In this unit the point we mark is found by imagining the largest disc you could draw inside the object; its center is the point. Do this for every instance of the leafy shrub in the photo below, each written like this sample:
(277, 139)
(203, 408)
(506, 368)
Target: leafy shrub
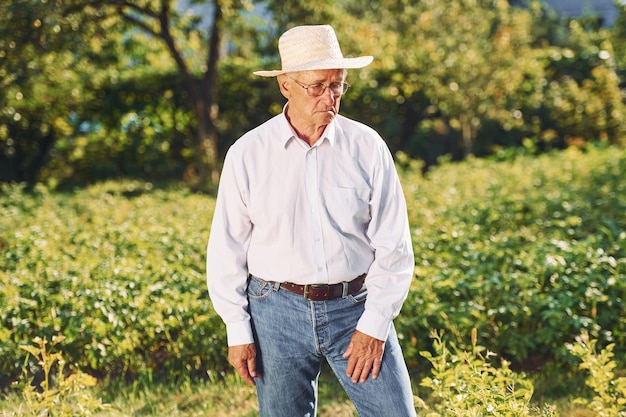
(460, 383)
(58, 394)
(530, 252)
(609, 398)
(466, 383)
(117, 269)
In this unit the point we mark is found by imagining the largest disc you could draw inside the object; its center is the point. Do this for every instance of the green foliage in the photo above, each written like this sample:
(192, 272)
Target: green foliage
(145, 135)
(461, 383)
(126, 89)
(584, 99)
(50, 65)
(237, 117)
(530, 252)
(494, 75)
(466, 383)
(618, 37)
(117, 270)
(59, 393)
(610, 392)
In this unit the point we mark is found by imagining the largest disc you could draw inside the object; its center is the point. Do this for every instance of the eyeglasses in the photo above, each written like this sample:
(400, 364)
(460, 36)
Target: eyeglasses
(316, 90)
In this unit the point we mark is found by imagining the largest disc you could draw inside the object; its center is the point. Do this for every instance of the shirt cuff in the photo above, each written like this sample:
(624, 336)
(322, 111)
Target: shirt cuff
(239, 333)
(374, 324)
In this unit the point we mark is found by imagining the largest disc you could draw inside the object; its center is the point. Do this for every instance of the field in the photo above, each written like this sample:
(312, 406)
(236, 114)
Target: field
(519, 256)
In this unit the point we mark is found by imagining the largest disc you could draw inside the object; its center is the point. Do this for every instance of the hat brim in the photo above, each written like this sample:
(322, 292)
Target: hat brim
(342, 63)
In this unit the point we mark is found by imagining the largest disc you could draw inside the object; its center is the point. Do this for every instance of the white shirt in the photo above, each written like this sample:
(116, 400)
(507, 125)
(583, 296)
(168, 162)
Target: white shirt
(324, 214)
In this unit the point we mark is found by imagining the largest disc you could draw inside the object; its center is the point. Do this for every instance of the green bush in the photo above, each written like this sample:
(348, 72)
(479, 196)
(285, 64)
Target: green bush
(117, 269)
(467, 383)
(530, 252)
(60, 393)
(460, 383)
(609, 391)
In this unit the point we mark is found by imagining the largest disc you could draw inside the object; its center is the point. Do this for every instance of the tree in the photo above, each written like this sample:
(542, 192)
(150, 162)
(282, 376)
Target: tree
(484, 69)
(618, 36)
(133, 84)
(193, 37)
(477, 55)
(44, 67)
(176, 28)
(158, 22)
(585, 100)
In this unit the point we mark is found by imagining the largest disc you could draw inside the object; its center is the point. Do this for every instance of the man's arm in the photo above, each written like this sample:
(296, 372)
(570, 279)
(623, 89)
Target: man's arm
(390, 274)
(226, 265)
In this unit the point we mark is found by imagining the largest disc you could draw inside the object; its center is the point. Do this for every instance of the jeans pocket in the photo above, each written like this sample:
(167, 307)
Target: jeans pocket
(259, 289)
(359, 297)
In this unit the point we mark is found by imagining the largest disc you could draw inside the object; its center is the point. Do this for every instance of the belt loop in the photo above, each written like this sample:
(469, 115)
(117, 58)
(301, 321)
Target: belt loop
(344, 291)
(305, 293)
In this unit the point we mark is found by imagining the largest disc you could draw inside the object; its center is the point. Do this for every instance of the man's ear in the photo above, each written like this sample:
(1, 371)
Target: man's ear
(283, 84)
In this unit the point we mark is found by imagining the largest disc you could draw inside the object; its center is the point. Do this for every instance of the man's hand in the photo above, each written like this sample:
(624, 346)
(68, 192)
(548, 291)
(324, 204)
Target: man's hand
(364, 354)
(243, 358)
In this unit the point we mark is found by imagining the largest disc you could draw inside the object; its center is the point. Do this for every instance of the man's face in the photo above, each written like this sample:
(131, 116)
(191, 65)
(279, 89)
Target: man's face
(305, 109)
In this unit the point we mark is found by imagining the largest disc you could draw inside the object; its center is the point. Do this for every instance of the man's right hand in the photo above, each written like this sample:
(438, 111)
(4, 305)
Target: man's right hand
(243, 358)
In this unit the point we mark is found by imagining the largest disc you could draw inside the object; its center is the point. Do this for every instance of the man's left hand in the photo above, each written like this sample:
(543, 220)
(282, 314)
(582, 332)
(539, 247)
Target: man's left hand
(365, 355)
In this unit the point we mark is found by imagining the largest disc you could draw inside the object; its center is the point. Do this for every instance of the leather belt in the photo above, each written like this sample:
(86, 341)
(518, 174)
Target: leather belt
(323, 292)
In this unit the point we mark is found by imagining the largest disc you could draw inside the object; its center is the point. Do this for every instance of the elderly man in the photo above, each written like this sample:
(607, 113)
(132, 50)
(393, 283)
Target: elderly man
(310, 256)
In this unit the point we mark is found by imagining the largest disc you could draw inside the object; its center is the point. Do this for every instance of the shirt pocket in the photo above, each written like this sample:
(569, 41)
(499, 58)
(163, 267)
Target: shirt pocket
(348, 208)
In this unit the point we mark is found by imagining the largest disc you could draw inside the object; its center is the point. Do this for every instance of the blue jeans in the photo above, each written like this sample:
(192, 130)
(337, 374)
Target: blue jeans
(293, 337)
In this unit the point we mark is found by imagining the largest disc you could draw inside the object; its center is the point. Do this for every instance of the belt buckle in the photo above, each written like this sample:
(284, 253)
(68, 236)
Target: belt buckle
(305, 292)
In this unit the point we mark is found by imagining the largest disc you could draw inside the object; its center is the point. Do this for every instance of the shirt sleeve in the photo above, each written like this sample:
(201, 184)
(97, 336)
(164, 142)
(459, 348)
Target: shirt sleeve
(226, 262)
(390, 274)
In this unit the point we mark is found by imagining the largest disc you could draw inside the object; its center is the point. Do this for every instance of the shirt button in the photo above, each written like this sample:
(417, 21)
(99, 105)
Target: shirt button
(317, 239)
(320, 269)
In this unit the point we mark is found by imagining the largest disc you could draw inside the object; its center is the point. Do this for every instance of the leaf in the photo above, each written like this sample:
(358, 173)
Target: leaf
(31, 349)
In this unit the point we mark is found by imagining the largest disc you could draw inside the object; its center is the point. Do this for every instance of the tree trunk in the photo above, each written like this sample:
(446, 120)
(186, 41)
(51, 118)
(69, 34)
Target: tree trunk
(203, 171)
(468, 135)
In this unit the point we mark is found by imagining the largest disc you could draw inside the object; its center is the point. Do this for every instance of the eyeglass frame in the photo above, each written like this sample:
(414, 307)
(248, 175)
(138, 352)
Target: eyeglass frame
(344, 88)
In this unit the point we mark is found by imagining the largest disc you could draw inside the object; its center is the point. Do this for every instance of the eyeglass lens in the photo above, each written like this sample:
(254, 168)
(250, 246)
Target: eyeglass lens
(319, 89)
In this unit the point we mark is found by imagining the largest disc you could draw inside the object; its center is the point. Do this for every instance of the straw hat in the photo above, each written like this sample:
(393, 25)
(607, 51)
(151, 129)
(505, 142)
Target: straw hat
(304, 48)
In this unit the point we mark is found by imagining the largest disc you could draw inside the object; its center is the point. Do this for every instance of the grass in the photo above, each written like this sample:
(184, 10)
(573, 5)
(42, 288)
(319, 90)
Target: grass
(229, 397)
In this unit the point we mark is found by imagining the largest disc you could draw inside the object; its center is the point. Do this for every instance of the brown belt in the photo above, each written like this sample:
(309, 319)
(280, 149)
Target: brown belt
(322, 292)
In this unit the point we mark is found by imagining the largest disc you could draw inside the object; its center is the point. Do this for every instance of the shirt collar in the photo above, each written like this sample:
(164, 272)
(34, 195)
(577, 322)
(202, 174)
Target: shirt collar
(287, 133)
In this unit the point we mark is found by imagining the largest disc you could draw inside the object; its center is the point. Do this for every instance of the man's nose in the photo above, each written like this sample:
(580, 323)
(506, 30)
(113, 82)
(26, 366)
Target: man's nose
(328, 93)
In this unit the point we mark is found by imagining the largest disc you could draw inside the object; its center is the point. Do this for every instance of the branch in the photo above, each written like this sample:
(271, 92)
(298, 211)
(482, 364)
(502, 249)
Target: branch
(138, 22)
(163, 18)
(214, 43)
(141, 10)
(166, 35)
